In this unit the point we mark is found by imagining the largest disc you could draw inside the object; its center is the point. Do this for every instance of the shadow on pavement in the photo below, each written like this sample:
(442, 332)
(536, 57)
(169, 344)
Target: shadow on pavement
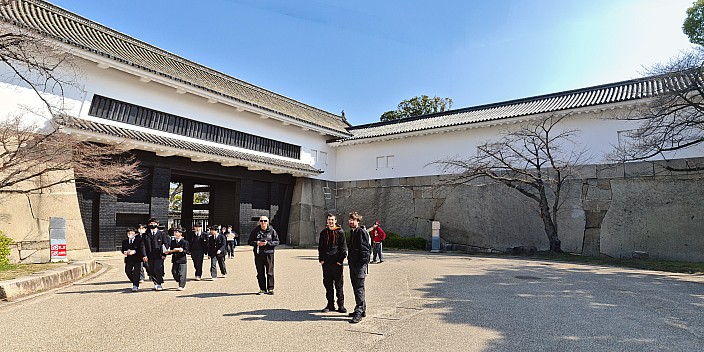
(114, 290)
(538, 307)
(286, 315)
(216, 295)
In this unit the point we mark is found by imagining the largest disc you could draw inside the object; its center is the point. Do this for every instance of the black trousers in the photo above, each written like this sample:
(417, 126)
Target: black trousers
(178, 270)
(133, 270)
(214, 261)
(231, 248)
(156, 270)
(357, 276)
(197, 258)
(332, 280)
(265, 271)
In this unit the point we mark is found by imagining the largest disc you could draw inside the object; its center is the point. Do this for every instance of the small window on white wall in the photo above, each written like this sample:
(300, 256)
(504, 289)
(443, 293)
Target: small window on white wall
(385, 162)
(314, 155)
(322, 158)
(625, 138)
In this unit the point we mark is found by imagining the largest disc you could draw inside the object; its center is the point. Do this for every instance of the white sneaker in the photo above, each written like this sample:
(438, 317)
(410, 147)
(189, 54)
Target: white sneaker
(156, 287)
(159, 288)
(224, 276)
(198, 278)
(181, 288)
(135, 288)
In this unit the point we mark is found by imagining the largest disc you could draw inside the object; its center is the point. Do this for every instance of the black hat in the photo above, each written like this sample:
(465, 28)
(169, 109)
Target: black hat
(198, 224)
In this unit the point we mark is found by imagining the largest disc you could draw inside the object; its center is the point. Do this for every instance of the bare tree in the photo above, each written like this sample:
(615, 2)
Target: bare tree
(536, 160)
(674, 118)
(32, 152)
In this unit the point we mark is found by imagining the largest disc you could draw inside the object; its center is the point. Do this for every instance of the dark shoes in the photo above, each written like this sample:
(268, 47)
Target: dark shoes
(270, 293)
(351, 315)
(329, 309)
(357, 318)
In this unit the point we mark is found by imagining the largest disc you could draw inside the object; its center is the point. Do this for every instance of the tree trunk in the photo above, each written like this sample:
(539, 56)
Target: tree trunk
(549, 222)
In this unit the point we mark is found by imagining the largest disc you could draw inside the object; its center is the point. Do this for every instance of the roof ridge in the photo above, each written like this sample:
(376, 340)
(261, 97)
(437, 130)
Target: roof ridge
(522, 100)
(105, 30)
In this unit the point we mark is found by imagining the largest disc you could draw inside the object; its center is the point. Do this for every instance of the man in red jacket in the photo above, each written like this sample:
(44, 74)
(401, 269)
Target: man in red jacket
(378, 236)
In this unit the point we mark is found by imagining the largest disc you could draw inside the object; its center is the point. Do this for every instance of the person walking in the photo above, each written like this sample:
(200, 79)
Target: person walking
(378, 236)
(198, 242)
(229, 236)
(264, 239)
(217, 249)
(179, 250)
(133, 250)
(358, 261)
(332, 251)
(156, 243)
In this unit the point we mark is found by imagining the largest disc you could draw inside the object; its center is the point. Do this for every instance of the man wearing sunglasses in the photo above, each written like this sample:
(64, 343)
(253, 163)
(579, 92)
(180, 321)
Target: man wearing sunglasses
(264, 238)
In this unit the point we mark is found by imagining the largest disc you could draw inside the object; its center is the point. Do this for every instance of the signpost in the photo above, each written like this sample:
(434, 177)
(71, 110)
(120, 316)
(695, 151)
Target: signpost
(57, 239)
(435, 237)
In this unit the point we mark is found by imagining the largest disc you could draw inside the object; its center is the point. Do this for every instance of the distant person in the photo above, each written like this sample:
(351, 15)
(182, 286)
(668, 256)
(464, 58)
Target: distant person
(156, 243)
(179, 251)
(332, 251)
(133, 250)
(358, 261)
(235, 236)
(198, 243)
(227, 231)
(378, 236)
(264, 238)
(217, 250)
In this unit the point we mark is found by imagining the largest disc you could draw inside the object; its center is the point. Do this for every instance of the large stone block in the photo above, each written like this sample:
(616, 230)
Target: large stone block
(663, 218)
(591, 242)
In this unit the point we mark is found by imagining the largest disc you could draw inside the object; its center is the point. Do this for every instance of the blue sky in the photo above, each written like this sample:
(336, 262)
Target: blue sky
(366, 56)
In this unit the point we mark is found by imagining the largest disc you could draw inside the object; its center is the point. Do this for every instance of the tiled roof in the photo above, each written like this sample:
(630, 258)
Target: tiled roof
(80, 32)
(619, 92)
(133, 135)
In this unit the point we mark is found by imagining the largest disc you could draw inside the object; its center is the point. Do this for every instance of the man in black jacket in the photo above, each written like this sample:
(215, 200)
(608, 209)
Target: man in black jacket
(358, 260)
(332, 250)
(198, 243)
(264, 238)
(178, 251)
(217, 249)
(156, 242)
(133, 249)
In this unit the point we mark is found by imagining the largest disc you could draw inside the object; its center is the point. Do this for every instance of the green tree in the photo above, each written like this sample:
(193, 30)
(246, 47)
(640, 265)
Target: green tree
(417, 106)
(693, 25)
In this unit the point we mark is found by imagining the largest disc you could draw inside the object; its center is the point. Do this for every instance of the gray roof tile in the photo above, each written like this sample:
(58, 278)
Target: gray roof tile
(80, 32)
(631, 90)
(121, 132)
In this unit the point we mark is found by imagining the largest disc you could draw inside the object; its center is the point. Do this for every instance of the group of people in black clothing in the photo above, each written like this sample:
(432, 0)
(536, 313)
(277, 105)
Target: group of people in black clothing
(147, 246)
(151, 247)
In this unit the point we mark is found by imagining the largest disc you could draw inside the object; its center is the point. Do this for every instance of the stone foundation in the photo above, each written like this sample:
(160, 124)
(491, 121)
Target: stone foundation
(610, 210)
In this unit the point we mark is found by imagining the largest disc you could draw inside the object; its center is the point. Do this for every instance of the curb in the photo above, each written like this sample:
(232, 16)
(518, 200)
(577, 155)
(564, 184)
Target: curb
(45, 280)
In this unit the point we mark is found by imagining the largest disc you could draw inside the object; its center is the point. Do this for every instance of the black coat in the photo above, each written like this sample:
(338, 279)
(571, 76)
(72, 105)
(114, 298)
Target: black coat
(153, 243)
(179, 257)
(198, 242)
(138, 246)
(359, 249)
(217, 243)
(269, 235)
(332, 246)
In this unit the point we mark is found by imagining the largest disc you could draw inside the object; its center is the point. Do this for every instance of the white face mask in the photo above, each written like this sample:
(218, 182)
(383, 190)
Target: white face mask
(142, 230)
(130, 236)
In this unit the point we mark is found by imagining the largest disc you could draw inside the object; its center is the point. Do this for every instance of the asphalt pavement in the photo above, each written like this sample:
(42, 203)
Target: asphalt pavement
(416, 301)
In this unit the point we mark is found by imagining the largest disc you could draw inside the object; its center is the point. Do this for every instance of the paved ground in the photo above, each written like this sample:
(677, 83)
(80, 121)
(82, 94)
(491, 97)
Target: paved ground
(416, 302)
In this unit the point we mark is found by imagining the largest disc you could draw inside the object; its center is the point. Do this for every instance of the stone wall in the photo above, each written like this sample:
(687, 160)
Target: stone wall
(25, 219)
(611, 210)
